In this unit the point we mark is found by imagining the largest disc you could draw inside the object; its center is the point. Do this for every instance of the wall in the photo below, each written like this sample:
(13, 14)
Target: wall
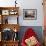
(32, 4)
(27, 4)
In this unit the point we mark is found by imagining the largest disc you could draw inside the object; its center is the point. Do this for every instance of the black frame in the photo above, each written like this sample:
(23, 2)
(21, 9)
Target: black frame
(29, 17)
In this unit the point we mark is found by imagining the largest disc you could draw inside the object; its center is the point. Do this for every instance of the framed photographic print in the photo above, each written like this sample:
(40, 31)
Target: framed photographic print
(30, 14)
(12, 12)
(5, 12)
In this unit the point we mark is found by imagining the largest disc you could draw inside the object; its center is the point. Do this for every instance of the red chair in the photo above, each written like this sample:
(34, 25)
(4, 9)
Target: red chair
(29, 33)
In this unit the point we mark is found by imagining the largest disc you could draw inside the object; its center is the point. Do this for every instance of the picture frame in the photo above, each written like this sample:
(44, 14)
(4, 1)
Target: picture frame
(13, 12)
(5, 12)
(29, 14)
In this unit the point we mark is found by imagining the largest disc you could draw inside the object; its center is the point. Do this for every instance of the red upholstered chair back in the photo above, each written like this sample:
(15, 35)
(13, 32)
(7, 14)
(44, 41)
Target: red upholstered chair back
(29, 33)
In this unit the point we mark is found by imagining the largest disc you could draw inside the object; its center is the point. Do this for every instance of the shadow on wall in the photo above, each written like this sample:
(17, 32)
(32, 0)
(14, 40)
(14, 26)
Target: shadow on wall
(37, 29)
